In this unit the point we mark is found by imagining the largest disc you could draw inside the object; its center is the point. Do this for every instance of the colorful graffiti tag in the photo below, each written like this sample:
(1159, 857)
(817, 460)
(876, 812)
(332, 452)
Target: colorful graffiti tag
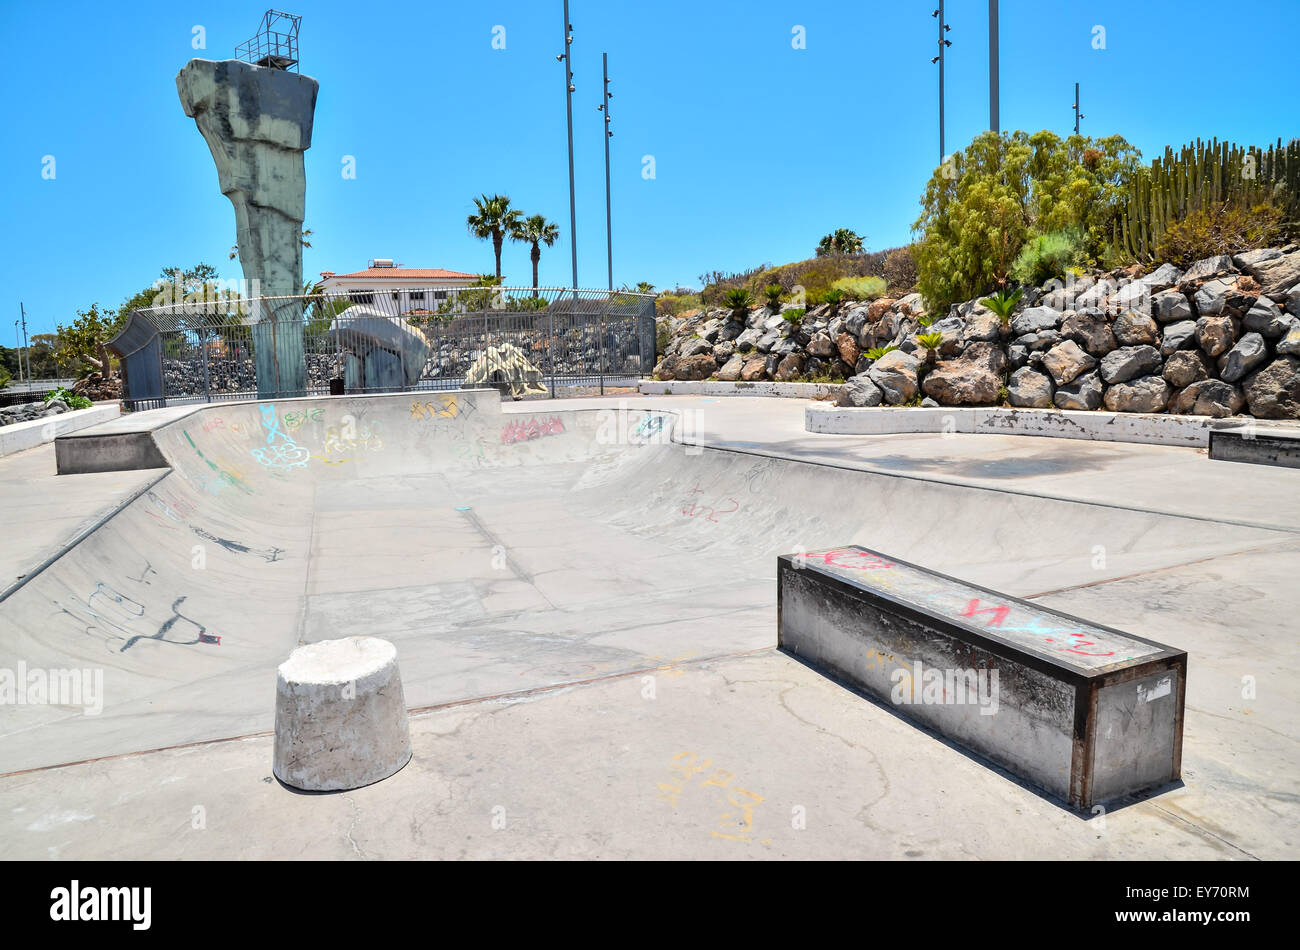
(724, 506)
(529, 429)
(281, 451)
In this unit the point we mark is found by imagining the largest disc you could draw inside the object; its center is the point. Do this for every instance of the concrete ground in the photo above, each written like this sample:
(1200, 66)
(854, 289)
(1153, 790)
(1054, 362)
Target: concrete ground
(585, 624)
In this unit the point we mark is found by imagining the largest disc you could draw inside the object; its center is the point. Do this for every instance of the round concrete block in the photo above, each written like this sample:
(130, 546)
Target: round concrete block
(340, 717)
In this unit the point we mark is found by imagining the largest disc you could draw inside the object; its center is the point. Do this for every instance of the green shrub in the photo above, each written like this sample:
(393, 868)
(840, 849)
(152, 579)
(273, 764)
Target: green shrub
(671, 304)
(1003, 303)
(900, 270)
(794, 315)
(773, 292)
(1220, 230)
(924, 319)
(1046, 257)
(834, 296)
(737, 299)
(861, 288)
(931, 341)
(876, 352)
(72, 399)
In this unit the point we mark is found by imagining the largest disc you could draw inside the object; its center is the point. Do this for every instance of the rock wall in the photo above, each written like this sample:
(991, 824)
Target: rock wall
(1221, 339)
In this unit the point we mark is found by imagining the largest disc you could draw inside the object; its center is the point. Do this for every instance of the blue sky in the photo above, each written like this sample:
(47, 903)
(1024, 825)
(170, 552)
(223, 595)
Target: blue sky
(759, 148)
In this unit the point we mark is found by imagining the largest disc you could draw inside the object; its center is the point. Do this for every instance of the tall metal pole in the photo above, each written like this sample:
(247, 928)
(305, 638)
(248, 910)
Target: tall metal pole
(1077, 115)
(609, 134)
(26, 349)
(568, 101)
(943, 45)
(995, 119)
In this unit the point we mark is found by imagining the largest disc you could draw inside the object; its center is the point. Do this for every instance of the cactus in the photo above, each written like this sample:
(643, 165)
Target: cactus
(1200, 177)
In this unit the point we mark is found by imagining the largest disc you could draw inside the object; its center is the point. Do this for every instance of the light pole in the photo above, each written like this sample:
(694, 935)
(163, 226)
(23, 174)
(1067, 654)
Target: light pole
(609, 134)
(26, 349)
(943, 45)
(995, 120)
(567, 58)
(1077, 114)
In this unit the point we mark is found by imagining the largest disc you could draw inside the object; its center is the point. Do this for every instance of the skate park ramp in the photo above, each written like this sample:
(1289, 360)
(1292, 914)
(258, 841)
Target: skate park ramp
(502, 552)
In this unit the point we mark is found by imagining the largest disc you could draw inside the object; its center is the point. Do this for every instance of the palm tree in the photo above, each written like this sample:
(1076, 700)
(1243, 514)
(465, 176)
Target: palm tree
(535, 230)
(494, 219)
(841, 241)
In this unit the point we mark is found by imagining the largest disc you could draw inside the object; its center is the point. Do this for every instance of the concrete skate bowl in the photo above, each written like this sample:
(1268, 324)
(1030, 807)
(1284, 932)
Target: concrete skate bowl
(504, 553)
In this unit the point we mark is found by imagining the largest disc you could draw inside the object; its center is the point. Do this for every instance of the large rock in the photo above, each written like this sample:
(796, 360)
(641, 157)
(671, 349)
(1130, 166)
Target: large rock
(1134, 329)
(896, 375)
(1162, 278)
(1204, 270)
(822, 345)
(973, 380)
(1171, 307)
(749, 339)
(1267, 318)
(1186, 367)
(1030, 389)
(1277, 275)
(1178, 336)
(731, 371)
(1146, 394)
(1209, 397)
(1066, 362)
(1091, 330)
(790, 367)
(1084, 393)
(983, 325)
(1249, 353)
(694, 347)
(701, 366)
(1213, 296)
(755, 368)
(1274, 391)
(847, 347)
(1130, 362)
(1216, 335)
(1289, 345)
(1248, 259)
(1035, 319)
(722, 352)
(859, 391)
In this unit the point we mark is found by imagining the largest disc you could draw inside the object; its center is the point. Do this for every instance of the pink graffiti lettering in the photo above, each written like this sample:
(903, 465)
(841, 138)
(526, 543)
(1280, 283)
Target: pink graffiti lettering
(531, 429)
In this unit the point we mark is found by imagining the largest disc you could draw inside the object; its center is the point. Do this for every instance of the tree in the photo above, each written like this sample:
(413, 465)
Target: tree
(494, 219)
(86, 339)
(534, 230)
(645, 287)
(840, 241)
(980, 210)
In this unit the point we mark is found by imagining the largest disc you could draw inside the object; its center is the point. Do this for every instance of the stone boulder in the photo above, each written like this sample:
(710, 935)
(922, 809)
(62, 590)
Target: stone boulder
(755, 368)
(1084, 393)
(1267, 319)
(821, 346)
(730, 372)
(1289, 345)
(1066, 362)
(1130, 362)
(1134, 329)
(1162, 278)
(1035, 319)
(700, 366)
(1274, 391)
(859, 391)
(1171, 306)
(982, 326)
(896, 375)
(1216, 335)
(1277, 275)
(1030, 389)
(1186, 367)
(1209, 397)
(1243, 358)
(1204, 270)
(790, 368)
(1091, 330)
(847, 347)
(1145, 394)
(972, 380)
(1178, 336)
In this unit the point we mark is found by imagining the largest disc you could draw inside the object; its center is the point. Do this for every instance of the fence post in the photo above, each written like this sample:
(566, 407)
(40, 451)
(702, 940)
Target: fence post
(207, 376)
(550, 350)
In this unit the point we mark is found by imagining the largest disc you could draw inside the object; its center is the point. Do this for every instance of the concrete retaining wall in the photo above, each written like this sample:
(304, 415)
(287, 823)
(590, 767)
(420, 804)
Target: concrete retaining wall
(1098, 426)
(676, 387)
(27, 435)
(1257, 446)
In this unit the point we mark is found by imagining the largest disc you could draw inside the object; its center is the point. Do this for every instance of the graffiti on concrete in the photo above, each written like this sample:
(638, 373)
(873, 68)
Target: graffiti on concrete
(281, 452)
(1022, 623)
(363, 436)
(732, 825)
(223, 475)
(269, 555)
(296, 420)
(442, 407)
(693, 509)
(527, 430)
(118, 619)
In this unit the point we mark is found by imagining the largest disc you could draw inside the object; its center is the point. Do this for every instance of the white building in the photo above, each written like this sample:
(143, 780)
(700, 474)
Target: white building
(395, 289)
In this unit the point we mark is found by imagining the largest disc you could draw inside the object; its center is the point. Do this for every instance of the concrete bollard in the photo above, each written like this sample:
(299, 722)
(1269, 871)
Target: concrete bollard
(340, 717)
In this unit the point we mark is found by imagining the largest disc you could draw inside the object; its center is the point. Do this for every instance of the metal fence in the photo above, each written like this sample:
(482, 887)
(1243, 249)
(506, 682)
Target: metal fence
(385, 341)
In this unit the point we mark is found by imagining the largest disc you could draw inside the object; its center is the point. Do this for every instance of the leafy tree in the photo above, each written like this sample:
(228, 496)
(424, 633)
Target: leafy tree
(494, 218)
(978, 212)
(840, 241)
(86, 338)
(534, 230)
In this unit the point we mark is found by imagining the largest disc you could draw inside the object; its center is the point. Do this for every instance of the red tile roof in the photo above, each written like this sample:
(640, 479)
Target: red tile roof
(403, 273)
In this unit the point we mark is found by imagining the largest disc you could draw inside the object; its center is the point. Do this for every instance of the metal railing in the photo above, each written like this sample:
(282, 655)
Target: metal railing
(392, 340)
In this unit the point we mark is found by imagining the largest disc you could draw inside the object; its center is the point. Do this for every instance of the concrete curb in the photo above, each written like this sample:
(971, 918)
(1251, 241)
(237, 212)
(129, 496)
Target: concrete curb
(1150, 429)
(27, 435)
(677, 387)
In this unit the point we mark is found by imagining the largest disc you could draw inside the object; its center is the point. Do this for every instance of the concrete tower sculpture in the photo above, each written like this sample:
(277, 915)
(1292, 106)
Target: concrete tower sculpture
(256, 117)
